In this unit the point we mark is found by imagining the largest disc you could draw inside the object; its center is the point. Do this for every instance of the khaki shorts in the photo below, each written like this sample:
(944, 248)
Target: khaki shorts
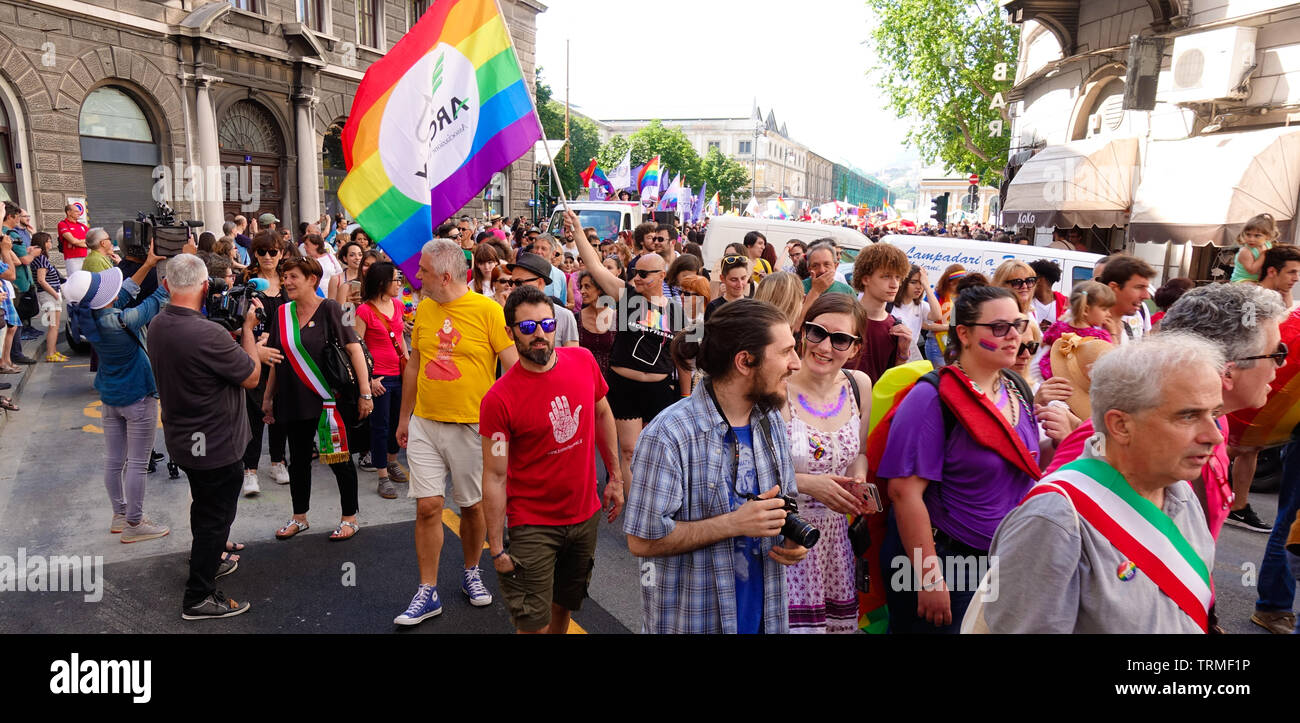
(435, 449)
(553, 564)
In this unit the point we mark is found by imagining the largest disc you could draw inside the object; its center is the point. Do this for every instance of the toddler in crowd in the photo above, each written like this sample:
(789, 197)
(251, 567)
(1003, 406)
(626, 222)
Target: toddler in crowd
(1090, 304)
(1256, 238)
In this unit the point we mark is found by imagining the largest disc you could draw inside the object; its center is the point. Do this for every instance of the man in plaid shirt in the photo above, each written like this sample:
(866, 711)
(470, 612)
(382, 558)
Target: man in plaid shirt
(712, 555)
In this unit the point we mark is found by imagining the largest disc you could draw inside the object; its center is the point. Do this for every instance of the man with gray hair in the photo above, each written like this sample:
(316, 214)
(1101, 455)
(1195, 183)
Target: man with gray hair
(1242, 320)
(1115, 542)
(457, 339)
(201, 374)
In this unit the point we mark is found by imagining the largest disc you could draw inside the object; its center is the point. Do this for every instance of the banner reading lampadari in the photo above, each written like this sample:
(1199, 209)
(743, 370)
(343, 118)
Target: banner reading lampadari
(432, 120)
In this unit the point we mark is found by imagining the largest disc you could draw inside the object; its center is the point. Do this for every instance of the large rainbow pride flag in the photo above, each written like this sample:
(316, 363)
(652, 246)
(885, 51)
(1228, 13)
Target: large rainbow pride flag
(432, 120)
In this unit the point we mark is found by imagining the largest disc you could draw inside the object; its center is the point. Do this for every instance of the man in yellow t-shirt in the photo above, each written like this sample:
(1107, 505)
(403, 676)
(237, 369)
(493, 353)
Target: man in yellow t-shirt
(457, 340)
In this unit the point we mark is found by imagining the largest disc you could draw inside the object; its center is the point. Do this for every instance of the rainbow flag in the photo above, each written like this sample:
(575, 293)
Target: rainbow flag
(432, 120)
(598, 178)
(586, 175)
(649, 176)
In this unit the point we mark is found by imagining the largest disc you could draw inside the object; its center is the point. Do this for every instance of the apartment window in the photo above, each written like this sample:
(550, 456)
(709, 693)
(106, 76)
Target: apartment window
(715, 144)
(415, 11)
(745, 147)
(368, 19)
(312, 14)
(252, 6)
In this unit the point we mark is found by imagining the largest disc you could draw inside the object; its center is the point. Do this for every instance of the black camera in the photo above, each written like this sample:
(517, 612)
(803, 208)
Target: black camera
(167, 235)
(228, 305)
(795, 529)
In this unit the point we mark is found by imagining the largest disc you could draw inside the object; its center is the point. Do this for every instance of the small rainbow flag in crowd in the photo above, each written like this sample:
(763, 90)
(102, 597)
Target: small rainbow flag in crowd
(649, 176)
(598, 178)
(432, 120)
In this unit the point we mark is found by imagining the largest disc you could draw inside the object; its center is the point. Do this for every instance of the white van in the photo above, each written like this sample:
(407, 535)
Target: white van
(936, 253)
(723, 230)
(607, 217)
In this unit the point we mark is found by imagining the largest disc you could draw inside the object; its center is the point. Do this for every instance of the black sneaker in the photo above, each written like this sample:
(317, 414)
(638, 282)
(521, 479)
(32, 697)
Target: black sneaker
(226, 567)
(215, 605)
(1246, 518)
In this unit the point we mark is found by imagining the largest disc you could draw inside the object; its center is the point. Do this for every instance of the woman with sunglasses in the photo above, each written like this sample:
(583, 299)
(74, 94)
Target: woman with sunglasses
(736, 283)
(379, 324)
(641, 369)
(1021, 279)
(267, 253)
(827, 429)
(962, 453)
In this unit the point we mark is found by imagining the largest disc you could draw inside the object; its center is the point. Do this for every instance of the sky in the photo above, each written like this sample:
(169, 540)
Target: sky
(713, 58)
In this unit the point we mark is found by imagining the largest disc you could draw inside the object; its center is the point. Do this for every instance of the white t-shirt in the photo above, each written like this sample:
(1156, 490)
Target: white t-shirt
(1044, 311)
(1134, 326)
(912, 316)
(329, 267)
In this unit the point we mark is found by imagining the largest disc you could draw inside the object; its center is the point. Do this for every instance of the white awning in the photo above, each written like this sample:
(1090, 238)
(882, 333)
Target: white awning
(1203, 190)
(1083, 183)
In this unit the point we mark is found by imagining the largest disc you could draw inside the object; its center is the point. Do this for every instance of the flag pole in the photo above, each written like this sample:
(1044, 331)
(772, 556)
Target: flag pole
(564, 199)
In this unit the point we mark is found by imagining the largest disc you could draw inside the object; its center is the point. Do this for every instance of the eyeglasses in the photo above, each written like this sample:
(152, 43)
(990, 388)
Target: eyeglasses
(502, 281)
(520, 282)
(1022, 283)
(644, 273)
(1002, 329)
(1278, 357)
(529, 327)
(268, 252)
(1029, 346)
(816, 333)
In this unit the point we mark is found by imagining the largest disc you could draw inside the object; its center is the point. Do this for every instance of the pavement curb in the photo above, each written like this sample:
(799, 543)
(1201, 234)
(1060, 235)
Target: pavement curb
(28, 371)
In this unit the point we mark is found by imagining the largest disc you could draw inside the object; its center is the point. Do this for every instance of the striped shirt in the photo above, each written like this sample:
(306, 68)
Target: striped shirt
(680, 470)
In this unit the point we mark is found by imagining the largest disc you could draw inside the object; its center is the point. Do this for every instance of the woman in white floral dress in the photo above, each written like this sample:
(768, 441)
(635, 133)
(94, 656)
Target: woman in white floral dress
(827, 426)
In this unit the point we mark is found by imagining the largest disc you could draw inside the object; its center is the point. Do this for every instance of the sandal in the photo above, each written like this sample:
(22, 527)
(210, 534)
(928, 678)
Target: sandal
(283, 533)
(11, 369)
(337, 535)
(56, 357)
(234, 546)
(8, 404)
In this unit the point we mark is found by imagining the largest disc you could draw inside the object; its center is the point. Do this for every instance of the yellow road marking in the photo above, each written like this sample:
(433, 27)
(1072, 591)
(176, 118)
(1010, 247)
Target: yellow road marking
(452, 521)
(75, 366)
(92, 411)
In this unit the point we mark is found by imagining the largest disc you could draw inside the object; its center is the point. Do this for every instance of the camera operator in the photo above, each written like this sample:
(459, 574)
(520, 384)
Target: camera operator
(133, 257)
(201, 374)
(126, 386)
(729, 433)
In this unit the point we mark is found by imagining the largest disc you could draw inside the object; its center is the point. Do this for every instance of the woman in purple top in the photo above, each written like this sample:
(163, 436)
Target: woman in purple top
(950, 491)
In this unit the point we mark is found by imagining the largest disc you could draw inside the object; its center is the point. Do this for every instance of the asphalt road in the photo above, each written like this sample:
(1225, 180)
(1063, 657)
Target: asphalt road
(53, 502)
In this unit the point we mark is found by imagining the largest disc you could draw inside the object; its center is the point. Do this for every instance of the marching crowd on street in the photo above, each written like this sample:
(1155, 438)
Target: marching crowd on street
(786, 450)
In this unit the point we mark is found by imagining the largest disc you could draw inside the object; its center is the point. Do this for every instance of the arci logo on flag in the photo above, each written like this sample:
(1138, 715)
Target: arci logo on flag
(441, 91)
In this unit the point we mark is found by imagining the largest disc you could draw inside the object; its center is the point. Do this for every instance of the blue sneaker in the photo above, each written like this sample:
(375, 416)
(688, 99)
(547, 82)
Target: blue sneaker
(472, 586)
(424, 605)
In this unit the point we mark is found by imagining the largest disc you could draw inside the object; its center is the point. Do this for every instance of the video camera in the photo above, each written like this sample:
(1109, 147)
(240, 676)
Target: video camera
(228, 305)
(162, 229)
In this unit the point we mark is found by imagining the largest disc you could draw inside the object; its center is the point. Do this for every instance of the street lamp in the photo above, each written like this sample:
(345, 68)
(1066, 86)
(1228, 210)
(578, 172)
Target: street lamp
(753, 155)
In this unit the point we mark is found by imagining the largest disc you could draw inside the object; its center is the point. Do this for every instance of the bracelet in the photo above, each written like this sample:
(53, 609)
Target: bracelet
(499, 554)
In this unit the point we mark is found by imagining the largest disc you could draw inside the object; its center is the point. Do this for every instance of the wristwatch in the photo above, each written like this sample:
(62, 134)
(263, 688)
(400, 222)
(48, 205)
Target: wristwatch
(367, 397)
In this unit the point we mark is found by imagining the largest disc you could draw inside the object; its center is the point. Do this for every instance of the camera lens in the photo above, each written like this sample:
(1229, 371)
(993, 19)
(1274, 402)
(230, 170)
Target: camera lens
(800, 532)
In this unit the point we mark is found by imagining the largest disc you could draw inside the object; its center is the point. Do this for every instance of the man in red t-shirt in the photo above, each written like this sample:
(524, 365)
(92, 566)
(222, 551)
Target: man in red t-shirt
(72, 240)
(540, 423)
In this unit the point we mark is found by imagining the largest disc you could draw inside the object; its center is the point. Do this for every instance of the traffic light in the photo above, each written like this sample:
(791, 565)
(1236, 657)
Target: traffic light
(940, 209)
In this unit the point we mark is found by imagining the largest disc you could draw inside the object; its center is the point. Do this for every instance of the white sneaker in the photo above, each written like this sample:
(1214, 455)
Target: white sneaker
(279, 473)
(250, 483)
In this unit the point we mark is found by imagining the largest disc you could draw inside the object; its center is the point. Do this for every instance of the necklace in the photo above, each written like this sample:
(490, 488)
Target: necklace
(829, 411)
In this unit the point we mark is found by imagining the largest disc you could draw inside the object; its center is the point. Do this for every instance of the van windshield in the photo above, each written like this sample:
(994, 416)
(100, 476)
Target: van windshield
(604, 221)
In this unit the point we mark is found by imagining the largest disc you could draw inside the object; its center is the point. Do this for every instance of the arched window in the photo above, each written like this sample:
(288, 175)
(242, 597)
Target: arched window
(8, 181)
(110, 113)
(494, 196)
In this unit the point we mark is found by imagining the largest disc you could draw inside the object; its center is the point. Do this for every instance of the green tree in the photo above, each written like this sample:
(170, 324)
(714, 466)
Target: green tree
(584, 138)
(612, 152)
(723, 175)
(937, 63)
(670, 144)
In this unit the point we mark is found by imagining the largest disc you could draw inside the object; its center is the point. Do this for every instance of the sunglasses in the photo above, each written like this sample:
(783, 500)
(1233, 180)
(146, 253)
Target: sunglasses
(268, 252)
(1278, 357)
(1022, 283)
(1002, 329)
(1029, 346)
(816, 333)
(529, 327)
(643, 273)
(735, 259)
(520, 282)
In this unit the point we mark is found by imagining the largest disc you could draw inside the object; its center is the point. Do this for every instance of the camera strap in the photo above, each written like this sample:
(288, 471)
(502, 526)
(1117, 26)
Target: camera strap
(735, 444)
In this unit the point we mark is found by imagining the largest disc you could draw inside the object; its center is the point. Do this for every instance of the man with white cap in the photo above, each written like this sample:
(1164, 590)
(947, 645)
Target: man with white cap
(98, 305)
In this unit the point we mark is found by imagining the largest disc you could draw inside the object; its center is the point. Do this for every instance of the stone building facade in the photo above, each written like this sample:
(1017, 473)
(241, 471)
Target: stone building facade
(217, 107)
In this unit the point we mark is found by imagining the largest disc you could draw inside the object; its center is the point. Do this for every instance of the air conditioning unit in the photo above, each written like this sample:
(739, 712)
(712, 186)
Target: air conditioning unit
(1208, 66)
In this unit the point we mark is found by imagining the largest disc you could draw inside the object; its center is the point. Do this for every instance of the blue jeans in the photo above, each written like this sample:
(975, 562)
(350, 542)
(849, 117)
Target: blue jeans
(1276, 583)
(384, 420)
(902, 602)
(932, 353)
(128, 439)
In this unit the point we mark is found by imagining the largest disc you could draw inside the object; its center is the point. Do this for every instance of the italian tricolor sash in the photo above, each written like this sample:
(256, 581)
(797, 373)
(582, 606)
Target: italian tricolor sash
(1137, 528)
(331, 435)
